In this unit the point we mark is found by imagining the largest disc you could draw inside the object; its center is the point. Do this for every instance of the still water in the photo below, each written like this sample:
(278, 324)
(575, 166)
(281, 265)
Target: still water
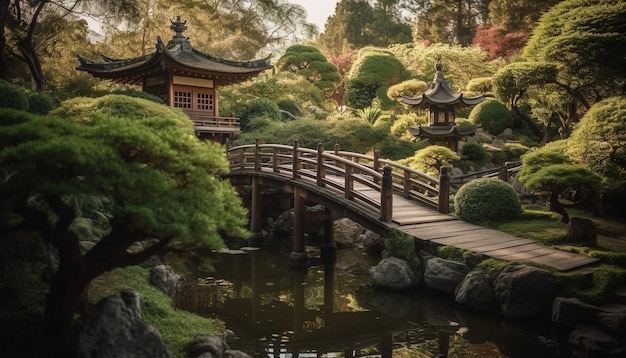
(330, 310)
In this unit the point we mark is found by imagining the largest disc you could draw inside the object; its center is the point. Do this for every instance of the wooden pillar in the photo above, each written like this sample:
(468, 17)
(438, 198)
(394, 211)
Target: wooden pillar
(298, 256)
(328, 251)
(444, 190)
(386, 196)
(256, 211)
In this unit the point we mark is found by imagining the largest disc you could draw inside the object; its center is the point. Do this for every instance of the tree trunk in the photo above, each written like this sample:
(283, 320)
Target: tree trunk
(521, 116)
(553, 204)
(31, 58)
(66, 290)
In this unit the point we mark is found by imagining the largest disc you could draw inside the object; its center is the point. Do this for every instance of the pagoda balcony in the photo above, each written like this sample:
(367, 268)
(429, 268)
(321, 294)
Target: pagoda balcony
(214, 124)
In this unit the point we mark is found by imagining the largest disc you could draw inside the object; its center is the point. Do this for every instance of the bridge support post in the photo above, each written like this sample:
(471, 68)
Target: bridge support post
(328, 251)
(256, 211)
(298, 257)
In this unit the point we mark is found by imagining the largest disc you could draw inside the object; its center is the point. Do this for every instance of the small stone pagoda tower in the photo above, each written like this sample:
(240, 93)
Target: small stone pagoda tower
(442, 101)
(183, 77)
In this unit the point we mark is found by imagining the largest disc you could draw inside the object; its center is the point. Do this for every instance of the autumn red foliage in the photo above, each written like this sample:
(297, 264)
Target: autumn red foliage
(499, 43)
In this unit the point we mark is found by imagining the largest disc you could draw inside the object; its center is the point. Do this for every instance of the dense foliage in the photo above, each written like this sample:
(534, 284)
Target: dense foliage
(492, 116)
(162, 182)
(487, 200)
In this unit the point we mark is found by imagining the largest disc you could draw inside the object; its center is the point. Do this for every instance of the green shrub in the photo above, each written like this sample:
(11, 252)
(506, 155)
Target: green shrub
(12, 96)
(487, 200)
(475, 152)
(84, 108)
(514, 151)
(400, 245)
(40, 103)
(400, 149)
(260, 107)
(492, 116)
(140, 94)
(290, 106)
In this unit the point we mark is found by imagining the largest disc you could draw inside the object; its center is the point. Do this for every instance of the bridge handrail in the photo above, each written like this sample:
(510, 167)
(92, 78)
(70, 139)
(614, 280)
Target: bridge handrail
(365, 169)
(312, 165)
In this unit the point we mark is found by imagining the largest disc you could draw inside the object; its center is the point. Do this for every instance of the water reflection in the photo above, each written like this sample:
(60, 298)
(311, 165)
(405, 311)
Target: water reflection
(330, 310)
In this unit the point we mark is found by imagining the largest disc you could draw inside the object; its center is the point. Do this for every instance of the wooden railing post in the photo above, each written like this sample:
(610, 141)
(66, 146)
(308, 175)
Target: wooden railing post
(275, 160)
(337, 148)
(321, 168)
(406, 184)
(348, 182)
(257, 155)
(444, 190)
(296, 160)
(376, 163)
(386, 196)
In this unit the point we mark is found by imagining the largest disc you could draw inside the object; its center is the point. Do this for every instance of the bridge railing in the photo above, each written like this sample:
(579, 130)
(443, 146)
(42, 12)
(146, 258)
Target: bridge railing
(323, 167)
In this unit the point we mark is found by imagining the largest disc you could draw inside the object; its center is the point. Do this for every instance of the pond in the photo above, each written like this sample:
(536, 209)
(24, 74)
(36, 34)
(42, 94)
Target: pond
(329, 309)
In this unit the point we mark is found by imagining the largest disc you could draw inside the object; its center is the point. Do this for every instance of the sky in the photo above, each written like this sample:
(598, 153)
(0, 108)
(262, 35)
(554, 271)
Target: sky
(317, 10)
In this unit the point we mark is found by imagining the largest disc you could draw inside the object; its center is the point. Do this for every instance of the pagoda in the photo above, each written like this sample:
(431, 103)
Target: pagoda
(442, 101)
(183, 77)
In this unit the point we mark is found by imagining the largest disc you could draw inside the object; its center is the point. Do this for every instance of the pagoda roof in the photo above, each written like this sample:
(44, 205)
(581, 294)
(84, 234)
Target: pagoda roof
(180, 57)
(440, 92)
(443, 131)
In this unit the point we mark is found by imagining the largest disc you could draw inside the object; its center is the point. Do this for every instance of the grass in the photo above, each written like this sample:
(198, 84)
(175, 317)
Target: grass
(177, 327)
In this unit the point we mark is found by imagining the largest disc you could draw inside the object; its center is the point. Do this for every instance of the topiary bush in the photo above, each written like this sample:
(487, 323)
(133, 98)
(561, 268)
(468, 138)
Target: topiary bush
(492, 116)
(487, 200)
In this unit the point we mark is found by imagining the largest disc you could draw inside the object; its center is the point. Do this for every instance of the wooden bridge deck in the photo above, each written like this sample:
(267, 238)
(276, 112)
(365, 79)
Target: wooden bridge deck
(428, 225)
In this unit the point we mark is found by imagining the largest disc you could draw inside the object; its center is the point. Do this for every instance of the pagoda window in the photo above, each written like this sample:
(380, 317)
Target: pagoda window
(204, 101)
(182, 99)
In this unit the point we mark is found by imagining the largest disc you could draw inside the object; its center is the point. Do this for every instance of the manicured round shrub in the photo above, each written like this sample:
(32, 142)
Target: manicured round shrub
(487, 200)
(12, 96)
(492, 116)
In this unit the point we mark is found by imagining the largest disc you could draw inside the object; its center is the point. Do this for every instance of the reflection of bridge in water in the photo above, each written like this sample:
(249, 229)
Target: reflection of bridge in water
(304, 312)
(379, 194)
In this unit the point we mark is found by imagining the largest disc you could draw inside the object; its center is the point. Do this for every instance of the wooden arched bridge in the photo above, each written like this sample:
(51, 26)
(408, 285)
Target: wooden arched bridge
(377, 193)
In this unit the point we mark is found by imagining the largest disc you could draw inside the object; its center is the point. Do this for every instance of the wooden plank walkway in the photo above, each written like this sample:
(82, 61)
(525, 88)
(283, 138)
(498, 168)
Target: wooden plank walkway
(428, 225)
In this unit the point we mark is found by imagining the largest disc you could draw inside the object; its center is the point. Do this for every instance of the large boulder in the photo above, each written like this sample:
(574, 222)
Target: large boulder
(165, 279)
(394, 273)
(347, 232)
(114, 328)
(524, 291)
(444, 275)
(371, 242)
(475, 292)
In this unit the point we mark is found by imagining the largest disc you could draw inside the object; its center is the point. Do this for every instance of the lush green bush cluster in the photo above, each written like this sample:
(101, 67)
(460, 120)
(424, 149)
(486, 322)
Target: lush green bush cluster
(122, 106)
(400, 149)
(492, 116)
(12, 96)
(140, 94)
(260, 108)
(487, 200)
(476, 153)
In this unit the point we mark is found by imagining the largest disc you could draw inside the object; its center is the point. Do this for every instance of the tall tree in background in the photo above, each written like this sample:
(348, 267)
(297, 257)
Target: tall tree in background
(518, 15)
(576, 54)
(347, 27)
(449, 21)
(22, 26)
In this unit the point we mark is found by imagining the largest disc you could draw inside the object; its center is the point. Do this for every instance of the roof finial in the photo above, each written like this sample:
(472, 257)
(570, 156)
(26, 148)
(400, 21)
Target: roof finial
(178, 27)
